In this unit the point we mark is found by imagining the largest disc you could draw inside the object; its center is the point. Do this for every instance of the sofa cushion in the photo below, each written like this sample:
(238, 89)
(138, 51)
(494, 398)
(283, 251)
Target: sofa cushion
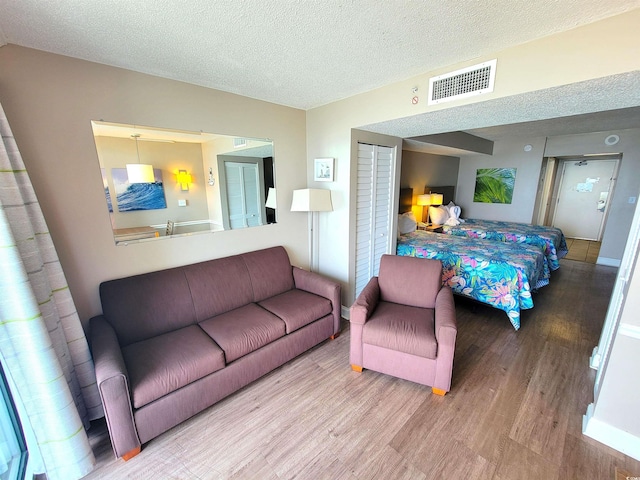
(297, 308)
(402, 328)
(270, 271)
(243, 330)
(143, 306)
(218, 286)
(170, 361)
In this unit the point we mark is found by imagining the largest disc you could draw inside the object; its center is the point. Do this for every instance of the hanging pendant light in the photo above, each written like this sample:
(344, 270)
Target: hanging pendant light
(139, 172)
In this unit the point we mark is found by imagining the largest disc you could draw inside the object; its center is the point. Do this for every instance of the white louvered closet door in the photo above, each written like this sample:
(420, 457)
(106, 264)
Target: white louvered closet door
(373, 210)
(242, 194)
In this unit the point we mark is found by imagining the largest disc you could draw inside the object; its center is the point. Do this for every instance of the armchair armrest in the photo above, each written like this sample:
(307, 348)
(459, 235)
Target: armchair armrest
(323, 287)
(113, 385)
(445, 313)
(366, 303)
(359, 313)
(446, 332)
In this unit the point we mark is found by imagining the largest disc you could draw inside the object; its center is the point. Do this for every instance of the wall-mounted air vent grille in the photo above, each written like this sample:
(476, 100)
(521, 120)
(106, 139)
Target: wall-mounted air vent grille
(239, 142)
(462, 83)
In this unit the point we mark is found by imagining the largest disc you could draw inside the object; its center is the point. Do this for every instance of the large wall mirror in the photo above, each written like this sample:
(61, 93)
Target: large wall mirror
(159, 182)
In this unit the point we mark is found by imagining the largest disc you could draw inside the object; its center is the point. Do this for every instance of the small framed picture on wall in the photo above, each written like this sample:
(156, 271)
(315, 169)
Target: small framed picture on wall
(323, 169)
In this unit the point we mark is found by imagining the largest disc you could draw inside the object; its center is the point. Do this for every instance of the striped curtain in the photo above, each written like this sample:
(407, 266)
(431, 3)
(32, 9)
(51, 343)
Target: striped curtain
(42, 343)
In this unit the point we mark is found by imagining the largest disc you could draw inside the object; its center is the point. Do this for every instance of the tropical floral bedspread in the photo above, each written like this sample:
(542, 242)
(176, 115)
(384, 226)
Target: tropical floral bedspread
(500, 274)
(551, 240)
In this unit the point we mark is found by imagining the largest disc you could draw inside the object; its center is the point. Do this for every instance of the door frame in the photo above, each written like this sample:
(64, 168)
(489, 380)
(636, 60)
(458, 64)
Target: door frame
(557, 182)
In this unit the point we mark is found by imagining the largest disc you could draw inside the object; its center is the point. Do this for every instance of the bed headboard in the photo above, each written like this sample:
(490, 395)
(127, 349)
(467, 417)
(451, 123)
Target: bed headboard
(448, 192)
(406, 200)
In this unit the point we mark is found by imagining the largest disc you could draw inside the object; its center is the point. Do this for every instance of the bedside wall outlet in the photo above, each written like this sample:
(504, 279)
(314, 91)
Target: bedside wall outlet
(182, 203)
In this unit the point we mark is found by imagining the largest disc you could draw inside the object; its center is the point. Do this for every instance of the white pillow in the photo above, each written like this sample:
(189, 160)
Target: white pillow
(438, 215)
(406, 223)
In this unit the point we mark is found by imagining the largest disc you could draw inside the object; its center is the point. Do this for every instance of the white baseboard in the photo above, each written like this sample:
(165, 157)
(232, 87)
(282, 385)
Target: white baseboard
(609, 262)
(609, 435)
(344, 311)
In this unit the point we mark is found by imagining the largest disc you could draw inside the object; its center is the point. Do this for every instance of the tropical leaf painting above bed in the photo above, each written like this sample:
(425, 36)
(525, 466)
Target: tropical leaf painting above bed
(494, 185)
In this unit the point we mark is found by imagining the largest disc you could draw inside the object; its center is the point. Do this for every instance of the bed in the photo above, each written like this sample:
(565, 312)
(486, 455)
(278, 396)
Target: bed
(500, 274)
(551, 240)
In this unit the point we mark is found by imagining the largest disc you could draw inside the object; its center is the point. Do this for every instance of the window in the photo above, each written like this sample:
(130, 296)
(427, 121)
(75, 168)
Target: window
(13, 450)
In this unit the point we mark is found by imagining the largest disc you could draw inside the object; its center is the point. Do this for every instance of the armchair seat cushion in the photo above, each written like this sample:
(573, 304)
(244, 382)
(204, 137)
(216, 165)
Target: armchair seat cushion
(164, 363)
(402, 328)
(297, 308)
(243, 330)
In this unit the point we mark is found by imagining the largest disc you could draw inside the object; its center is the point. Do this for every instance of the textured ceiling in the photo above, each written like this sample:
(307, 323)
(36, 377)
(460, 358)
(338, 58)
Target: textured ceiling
(299, 53)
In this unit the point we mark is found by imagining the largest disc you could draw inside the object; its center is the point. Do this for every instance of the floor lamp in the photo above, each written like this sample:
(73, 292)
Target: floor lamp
(312, 200)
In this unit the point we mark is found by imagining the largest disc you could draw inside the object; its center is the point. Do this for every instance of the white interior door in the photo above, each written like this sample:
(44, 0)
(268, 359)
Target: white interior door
(583, 198)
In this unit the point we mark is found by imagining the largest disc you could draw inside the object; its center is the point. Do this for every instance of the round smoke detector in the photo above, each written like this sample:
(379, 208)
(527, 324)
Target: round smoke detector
(611, 140)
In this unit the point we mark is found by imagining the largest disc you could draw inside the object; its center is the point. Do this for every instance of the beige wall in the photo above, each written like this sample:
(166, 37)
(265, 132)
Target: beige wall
(50, 101)
(425, 169)
(507, 153)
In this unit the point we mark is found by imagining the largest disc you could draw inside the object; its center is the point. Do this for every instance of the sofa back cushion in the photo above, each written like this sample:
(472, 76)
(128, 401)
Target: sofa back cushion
(270, 271)
(218, 286)
(410, 280)
(143, 306)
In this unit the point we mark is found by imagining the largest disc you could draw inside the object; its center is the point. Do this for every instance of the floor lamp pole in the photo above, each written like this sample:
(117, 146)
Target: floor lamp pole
(313, 241)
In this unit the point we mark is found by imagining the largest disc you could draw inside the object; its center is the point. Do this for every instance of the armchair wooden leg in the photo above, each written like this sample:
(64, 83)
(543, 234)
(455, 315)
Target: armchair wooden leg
(356, 368)
(131, 453)
(437, 391)
(334, 336)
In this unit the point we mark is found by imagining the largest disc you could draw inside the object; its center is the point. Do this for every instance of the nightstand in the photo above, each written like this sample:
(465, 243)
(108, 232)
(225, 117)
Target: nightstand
(430, 228)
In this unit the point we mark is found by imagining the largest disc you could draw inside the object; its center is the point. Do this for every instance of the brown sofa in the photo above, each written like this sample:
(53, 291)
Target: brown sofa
(173, 342)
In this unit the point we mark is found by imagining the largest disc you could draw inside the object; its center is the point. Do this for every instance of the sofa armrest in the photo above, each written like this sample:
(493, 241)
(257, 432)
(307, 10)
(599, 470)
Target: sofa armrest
(323, 287)
(113, 385)
(366, 303)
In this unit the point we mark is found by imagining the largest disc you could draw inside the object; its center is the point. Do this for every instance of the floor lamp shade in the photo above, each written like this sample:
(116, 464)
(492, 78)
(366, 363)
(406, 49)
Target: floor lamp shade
(271, 198)
(311, 200)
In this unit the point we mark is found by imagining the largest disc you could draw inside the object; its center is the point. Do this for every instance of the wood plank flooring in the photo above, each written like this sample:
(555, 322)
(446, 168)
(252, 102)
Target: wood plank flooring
(514, 412)
(583, 250)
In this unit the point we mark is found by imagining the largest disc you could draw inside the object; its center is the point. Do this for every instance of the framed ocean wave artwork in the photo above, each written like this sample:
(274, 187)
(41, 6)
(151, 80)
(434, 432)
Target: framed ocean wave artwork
(137, 196)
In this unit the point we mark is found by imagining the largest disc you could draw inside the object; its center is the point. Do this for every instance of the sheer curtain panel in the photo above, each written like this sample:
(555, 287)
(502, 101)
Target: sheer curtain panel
(42, 342)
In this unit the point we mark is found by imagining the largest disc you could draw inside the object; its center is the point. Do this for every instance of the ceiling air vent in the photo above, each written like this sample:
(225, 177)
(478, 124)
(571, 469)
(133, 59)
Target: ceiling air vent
(466, 82)
(239, 142)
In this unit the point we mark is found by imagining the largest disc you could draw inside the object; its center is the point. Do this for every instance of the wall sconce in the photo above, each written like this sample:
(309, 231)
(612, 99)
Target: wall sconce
(184, 179)
(139, 172)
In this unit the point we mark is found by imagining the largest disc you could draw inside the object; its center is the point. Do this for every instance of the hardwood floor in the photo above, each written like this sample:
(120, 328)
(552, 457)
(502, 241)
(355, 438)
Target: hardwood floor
(514, 412)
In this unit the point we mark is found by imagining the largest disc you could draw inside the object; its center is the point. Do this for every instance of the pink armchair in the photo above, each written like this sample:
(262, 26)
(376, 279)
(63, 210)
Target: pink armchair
(403, 323)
